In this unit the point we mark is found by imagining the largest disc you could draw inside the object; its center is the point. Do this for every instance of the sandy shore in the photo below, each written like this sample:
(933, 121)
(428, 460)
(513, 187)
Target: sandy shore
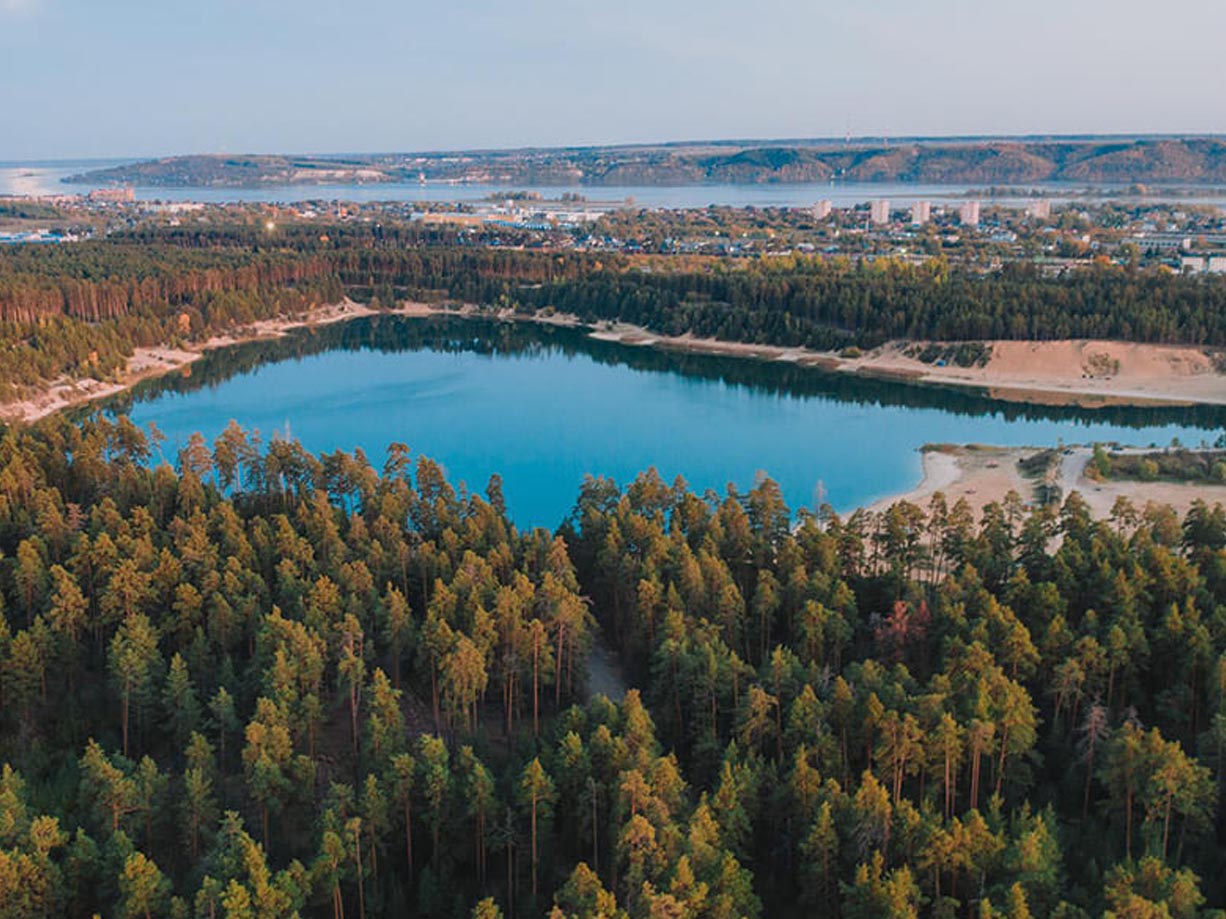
(980, 475)
(983, 475)
(146, 363)
(1101, 496)
(1086, 373)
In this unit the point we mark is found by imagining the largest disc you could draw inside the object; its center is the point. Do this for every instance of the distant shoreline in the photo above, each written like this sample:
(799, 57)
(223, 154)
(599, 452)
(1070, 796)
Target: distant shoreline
(1113, 160)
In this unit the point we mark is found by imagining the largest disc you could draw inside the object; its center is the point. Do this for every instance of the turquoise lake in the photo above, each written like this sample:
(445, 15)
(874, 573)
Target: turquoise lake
(543, 407)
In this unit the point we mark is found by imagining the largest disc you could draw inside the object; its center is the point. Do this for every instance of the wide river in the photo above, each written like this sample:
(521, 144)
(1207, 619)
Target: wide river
(44, 178)
(543, 407)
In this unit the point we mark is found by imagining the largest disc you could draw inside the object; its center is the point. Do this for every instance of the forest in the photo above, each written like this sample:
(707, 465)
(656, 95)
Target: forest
(80, 310)
(262, 683)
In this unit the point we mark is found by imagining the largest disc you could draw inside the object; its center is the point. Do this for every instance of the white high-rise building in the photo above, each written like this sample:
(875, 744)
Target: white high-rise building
(879, 211)
(921, 213)
(1040, 209)
(822, 209)
(969, 213)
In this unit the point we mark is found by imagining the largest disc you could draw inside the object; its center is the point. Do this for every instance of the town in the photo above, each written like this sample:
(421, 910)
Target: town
(1056, 233)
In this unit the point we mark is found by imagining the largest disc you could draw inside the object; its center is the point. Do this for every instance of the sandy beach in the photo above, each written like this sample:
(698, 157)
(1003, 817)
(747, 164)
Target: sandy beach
(982, 475)
(1086, 373)
(146, 363)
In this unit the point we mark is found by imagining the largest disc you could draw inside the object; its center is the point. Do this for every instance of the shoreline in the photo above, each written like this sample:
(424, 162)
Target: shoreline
(150, 363)
(1060, 373)
(979, 474)
(982, 475)
(1080, 373)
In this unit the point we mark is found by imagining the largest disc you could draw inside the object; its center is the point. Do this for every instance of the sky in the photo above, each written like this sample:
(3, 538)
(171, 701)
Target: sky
(127, 78)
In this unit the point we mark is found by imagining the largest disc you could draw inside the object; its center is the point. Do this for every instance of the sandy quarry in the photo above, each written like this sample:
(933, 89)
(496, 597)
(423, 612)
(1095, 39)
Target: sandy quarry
(1084, 372)
(1081, 372)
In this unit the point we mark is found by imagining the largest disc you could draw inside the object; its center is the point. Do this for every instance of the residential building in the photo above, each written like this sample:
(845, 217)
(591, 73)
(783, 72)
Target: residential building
(879, 211)
(822, 209)
(969, 213)
(1161, 242)
(921, 213)
(112, 195)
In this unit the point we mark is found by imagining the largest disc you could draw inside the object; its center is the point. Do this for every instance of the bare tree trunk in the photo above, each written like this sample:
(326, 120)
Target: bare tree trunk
(1004, 749)
(948, 799)
(357, 861)
(595, 830)
(408, 838)
(534, 845)
(536, 686)
(975, 780)
(124, 717)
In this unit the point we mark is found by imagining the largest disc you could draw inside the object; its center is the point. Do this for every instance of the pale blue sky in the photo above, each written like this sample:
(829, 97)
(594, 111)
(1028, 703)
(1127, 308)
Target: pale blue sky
(147, 77)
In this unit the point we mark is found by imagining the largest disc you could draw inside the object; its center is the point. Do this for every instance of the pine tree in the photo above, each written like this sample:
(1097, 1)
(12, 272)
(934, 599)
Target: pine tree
(144, 890)
(135, 663)
(536, 795)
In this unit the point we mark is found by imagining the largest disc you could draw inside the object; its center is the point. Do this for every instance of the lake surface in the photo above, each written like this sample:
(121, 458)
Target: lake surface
(543, 407)
(43, 178)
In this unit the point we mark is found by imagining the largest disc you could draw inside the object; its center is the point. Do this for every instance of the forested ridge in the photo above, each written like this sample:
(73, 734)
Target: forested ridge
(80, 310)
(1070, 159)
(265, 684)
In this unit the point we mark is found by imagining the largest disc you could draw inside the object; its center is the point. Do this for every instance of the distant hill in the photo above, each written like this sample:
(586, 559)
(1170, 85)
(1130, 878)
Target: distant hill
(939, 161)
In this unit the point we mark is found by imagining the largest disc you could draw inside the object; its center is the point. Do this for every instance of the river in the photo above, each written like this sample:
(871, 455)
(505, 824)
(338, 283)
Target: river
(44, 178)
